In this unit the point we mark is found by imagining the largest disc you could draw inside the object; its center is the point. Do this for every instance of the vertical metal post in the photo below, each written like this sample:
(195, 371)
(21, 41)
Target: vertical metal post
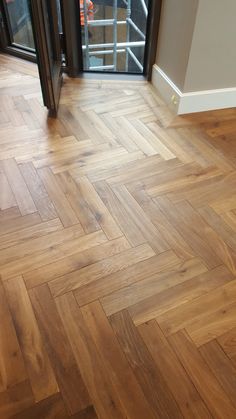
(86, 34)
(128, 16)
(144, 7)
(115, 34)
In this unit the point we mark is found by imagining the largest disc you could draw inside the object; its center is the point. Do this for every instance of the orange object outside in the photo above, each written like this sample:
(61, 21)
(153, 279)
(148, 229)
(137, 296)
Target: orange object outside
(90, 11)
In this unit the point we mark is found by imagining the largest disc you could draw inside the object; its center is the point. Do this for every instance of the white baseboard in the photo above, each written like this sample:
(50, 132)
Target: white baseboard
(183, 103)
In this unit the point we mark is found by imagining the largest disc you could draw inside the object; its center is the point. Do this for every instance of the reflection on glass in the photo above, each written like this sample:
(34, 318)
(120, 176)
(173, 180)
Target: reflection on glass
(20, 23)
(113, 34)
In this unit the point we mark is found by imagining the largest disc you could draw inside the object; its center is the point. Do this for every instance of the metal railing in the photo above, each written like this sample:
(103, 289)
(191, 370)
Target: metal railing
(114, 48)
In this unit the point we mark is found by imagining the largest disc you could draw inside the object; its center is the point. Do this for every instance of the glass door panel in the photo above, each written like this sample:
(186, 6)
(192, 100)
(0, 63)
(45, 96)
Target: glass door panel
(114, 35)
(19, 24)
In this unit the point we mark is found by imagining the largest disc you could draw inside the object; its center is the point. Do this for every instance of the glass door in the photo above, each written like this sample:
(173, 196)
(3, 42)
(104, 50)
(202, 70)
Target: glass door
(17, 27)
(114, 35)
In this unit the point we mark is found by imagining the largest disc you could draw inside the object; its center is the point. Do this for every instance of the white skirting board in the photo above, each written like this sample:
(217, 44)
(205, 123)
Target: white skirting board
(183, 103)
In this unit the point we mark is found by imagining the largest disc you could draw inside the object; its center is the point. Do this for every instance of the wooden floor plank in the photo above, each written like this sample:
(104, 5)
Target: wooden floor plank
(12, 221)
(53, 407)
(133, 398)
(37, 364)
(205, 381)
(64, 210)
(191, 233)
(153, 140)
(101, 269)
(185, 315)
(43, 252)
(15, 400)
(221, 366)
(7, 199)
(177, 295)
(9, 214)
(120, 214)
(135, 212)
(173, 238)
(93, 369)
(12, 367)
(153, 285)
(15, 238)
(146, 372)
(98, 208)
(37, 244)
(132, 274)
(68, 376)
(92, 250)
(135, 170)
(41, 199)
(213, 325)
(78, 203)
(228, 342)
(186, 395)
(19, 188)
(135, 134)
(214, 241)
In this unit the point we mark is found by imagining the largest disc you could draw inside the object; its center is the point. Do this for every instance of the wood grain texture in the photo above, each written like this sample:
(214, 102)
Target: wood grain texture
(221, 366)
(179, 295)
(39, 370)
(96, 375)
(12, 368)
(195, 312)
(101, 269)
(67, 373)
(133, 399)
(202, 377)
(155, 287)
(117, 253)
(19, 187)
(186, 394)
(15, 400)
(132, 274)
(147, 373)
(41, 199)
(53, 408)
(93, 248)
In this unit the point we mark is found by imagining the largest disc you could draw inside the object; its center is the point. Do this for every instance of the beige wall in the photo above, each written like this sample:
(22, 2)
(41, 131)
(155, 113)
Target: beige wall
(175, 38)
(197, 44)
(212, 60)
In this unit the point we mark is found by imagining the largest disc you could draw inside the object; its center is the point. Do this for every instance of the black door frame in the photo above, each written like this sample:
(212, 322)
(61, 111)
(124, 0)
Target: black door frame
(71, 38)
(47, 41)
(152, 37)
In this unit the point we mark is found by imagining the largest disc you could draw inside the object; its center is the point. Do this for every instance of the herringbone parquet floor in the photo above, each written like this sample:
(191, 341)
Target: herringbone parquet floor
(118, 254)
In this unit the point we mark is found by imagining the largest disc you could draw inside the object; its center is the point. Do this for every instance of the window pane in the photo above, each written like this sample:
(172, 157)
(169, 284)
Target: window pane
(20, 22)
(114, 34)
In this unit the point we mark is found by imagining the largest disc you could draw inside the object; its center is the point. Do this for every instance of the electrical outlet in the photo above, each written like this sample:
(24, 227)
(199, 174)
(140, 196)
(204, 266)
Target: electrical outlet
(174, 100)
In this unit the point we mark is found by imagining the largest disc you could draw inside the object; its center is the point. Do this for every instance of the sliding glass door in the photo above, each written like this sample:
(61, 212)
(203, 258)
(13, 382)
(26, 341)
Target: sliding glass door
(114, 34)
